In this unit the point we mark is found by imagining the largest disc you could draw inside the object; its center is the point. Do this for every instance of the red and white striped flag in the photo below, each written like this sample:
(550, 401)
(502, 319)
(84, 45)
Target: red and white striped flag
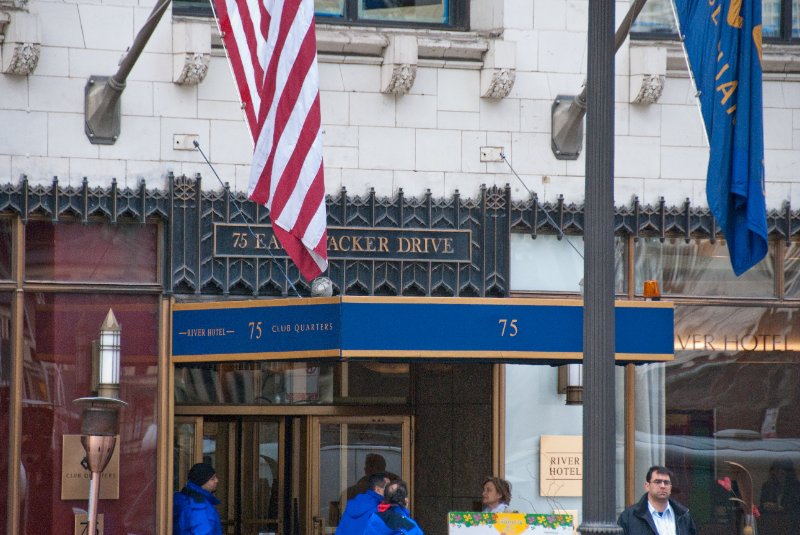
(273, 51)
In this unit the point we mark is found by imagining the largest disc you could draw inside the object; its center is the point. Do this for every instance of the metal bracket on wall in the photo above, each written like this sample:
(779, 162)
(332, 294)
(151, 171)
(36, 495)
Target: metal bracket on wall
(102, 109)
(102, 95)
(566, 126)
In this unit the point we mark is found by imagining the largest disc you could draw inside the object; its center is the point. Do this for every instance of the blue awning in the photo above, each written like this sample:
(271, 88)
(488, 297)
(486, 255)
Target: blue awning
(406, 328)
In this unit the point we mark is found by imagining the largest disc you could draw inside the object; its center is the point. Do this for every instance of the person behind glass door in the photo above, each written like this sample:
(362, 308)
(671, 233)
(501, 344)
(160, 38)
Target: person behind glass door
(496, 495)
(374, 463)
(656, 513)
(780, 494)
(194, 511)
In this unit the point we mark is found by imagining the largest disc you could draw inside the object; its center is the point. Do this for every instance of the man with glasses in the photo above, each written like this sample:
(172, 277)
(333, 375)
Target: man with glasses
(656, 513)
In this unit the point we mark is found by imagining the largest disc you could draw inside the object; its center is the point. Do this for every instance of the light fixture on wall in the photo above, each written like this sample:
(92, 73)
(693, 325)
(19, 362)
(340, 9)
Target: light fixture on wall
(100, 419)
(570, 382)
(107, 358)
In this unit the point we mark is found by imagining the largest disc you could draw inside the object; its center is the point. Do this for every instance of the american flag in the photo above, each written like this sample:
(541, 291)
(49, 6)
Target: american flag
(273, 51)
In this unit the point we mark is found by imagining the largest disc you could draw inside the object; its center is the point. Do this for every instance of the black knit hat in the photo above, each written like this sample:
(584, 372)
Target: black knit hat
(200, 473)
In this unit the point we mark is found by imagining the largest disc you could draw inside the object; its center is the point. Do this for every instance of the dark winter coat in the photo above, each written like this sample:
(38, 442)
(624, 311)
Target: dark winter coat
(637, 520)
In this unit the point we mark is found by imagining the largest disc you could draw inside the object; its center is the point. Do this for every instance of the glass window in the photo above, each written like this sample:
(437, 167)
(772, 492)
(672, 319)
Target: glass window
(699, 268)
(348, 454)
(657, 17)
(74, 252)
(451, 13)
(5, 386)
(528, 386)
(58, 334)
(792, 270)
(5, 248)
(547, 264)
(424, 11)
(730, 395)
(291, 383)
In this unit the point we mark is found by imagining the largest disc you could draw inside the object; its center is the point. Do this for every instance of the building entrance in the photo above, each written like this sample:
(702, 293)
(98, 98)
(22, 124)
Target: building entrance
(286, 475)
(345, 451)
(248, 454)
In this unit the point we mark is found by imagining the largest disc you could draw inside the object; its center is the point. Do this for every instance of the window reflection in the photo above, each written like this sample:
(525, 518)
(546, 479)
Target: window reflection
(792, 270)
(699, 268)
(58, 333)
(348, 455)
(656, 17)
(552, 264)
(91, 253)
(433, 11)
(5, 385)
(329, 8)
(5, 248)
(730, 395)
(291, 383)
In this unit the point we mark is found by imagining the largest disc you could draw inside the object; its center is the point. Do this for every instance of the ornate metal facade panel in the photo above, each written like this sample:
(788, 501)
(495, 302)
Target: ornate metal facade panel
(190, 215)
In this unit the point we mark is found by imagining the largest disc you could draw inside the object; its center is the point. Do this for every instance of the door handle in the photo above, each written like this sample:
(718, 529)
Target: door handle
(319, 525)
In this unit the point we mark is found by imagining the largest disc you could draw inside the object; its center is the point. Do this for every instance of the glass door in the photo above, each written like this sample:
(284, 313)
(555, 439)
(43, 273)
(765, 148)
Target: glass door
(248, 456)
(346, 450)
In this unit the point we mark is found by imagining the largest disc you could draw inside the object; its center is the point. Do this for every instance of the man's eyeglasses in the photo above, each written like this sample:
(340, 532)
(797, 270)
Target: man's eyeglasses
(665, 482)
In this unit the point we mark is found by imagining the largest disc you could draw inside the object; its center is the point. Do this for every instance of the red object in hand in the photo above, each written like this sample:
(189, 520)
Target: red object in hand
(725, 483)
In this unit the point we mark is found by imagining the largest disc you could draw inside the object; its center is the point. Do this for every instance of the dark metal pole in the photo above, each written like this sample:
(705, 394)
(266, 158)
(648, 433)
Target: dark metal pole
(599, 482)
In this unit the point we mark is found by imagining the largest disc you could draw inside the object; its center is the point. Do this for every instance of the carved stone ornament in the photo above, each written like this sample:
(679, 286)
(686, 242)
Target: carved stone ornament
(650, 92)
(501, 84)
(402, 79)
(13, 4)
(24, 59)
(195, 68)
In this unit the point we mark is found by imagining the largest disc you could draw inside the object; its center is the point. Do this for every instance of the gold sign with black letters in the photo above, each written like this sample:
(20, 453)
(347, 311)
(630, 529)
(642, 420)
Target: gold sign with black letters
(351, 243)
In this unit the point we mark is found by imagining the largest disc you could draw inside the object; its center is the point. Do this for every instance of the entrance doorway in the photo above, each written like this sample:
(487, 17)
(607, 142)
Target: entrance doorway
(287, 475)
(249, 456)
(345, 451)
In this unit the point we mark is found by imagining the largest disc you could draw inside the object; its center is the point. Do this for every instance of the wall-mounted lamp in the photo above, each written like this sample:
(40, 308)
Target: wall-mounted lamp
(100, 420)
(570, 382)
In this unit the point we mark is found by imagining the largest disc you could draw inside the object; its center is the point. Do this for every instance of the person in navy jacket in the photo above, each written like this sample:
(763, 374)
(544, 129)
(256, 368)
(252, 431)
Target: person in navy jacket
(392, 516)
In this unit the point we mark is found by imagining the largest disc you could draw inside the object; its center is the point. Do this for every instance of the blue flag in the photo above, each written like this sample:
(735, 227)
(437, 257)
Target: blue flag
(723, 42)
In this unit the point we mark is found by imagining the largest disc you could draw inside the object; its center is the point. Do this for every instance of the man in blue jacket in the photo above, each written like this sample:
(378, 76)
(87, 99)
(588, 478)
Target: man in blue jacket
(193, 508)
(360, 508)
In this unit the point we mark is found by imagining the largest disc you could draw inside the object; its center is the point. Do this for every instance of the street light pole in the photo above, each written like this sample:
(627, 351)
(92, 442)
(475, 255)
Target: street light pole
(599, 482)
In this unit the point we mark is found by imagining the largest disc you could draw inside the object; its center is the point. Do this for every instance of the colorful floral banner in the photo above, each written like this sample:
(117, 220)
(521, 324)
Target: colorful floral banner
(465, 523)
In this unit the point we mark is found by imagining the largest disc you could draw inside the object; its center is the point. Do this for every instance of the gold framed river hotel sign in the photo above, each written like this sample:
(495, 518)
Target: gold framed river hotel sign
(561, 465)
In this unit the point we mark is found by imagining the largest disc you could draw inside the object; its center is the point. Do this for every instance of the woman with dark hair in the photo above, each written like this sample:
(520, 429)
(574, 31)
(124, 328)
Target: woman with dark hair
(496, 495)
(393, 517)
